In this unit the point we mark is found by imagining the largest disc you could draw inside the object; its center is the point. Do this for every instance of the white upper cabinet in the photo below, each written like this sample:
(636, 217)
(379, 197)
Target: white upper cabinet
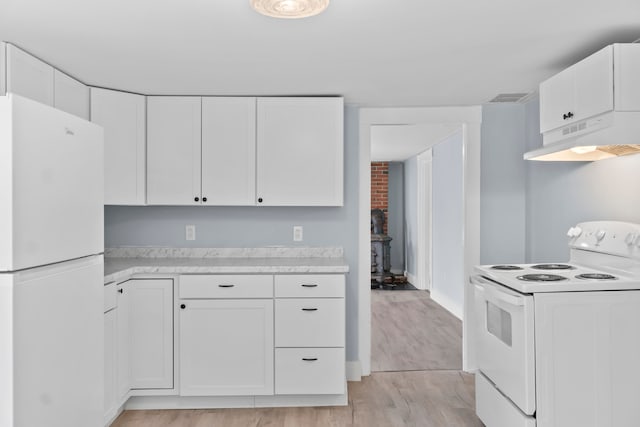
(70, 95)
(300, 151)
(123, 117)
(29, 77)
(3, 68)
(173, 150)
(229, 151)
(605, 81)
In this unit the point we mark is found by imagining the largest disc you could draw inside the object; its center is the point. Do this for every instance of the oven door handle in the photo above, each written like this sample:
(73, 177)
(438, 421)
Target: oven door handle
(492, 292)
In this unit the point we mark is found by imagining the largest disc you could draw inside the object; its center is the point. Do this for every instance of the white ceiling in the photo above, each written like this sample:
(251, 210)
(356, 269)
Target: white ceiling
(396, 143)
(374, 52)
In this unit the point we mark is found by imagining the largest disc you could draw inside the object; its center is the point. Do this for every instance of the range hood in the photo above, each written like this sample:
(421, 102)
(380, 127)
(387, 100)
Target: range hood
(605, 136)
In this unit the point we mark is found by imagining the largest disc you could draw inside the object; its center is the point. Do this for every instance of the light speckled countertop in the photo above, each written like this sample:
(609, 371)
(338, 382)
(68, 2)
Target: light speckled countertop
(121, 268)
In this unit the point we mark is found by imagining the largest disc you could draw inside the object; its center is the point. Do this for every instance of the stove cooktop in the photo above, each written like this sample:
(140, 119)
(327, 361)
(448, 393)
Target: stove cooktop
(568, 277)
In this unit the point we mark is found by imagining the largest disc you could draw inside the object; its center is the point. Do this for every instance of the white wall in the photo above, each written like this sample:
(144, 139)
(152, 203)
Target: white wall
(503, 184)
(448, 225)
(561, 194)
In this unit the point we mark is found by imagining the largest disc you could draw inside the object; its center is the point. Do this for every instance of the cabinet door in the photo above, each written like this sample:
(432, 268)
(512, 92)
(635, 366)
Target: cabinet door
(173, 150)
(226, 347)
(300, 151)
(626, 69)
(123, 117)
(110, 402)
(556, 100)
(123, 366)
(229, 151)
(594, 84)
(28, 76)
(151, 333)
(70, 95)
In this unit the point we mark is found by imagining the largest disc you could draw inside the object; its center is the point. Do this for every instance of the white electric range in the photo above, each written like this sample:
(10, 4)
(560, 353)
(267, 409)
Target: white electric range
(558, 345)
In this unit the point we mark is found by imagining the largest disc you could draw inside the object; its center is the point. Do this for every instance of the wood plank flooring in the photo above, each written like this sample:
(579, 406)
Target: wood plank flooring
(410, 332)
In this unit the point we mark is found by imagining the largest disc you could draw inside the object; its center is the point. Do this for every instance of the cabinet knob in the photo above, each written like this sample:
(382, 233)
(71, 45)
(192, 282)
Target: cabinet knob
(567, 115)
(309, 309)
(259, 199)
(121, 290)
(204, 199)
(226, 286)
(309, 285)
(197, 199)
(309, 359)
(183, 306)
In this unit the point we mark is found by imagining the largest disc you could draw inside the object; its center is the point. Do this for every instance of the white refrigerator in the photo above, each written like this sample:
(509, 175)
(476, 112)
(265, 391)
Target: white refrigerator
(51, 267)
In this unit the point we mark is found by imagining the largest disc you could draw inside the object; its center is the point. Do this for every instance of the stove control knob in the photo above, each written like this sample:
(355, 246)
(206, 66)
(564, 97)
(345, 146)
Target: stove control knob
(574, 232)
(600, 235)
(630, 239)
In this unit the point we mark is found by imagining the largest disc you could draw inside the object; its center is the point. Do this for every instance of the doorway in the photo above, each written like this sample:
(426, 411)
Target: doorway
(411, 331)
(467, 120)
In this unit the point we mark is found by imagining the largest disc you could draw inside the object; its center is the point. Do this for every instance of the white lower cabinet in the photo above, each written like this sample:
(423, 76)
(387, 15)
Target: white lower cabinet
(226, 347)
(310, 371)
(310, 334)
(151, 333)
(138, 340)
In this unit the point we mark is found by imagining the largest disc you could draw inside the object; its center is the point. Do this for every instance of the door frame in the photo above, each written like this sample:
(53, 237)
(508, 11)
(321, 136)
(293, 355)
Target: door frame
(469, 118)
(423, 253)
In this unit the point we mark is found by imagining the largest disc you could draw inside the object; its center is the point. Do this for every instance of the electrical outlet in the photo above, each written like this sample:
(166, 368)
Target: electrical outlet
(297, 233)
(190, 232)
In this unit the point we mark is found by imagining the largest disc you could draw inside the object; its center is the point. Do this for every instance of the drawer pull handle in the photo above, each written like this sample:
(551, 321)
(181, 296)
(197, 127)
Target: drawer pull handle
(309, 309)
(226, 286)
(309, 359)
(309, 285)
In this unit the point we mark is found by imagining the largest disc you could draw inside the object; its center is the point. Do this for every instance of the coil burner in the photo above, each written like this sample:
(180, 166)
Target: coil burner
(541, 278)
(596, 276)
(505, 267)
(552, 267)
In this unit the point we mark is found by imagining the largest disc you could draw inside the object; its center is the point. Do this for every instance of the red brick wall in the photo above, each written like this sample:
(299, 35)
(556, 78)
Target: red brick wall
(380, 188)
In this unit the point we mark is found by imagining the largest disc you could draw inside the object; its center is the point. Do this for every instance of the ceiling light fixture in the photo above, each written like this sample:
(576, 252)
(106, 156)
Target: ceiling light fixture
(289, 9)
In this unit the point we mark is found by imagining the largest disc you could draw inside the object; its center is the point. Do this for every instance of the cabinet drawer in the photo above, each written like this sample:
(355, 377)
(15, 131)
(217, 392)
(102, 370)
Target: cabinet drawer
(309, 286)
(110, 301)
(226, 286)
(310, 371)
(314, 322)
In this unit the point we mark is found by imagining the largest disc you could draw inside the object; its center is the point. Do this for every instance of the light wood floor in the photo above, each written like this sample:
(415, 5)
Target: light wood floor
(410, 332)
(433, 392)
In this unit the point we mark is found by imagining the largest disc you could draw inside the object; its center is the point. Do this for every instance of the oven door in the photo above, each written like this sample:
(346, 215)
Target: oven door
(505, 341)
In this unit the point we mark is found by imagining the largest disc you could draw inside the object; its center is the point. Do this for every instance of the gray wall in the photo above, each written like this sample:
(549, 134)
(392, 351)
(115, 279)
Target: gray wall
(396, 215)
(448, 224)
(255, 226)
(411, 214)
(561, 194)
(503, 184)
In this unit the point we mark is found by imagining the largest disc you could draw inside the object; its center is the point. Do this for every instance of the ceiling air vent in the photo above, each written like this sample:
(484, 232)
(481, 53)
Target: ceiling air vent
(510, 97)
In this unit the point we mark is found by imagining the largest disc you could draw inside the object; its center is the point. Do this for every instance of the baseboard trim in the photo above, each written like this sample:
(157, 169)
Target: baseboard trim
(354, 371)
(448, 304)
(221, 402)
(412, 279)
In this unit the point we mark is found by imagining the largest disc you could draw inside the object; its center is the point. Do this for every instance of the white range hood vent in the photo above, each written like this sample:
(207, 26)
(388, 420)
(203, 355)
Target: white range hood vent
(609, 135)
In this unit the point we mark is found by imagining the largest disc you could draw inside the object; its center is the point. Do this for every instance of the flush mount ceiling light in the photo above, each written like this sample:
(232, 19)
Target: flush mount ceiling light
(290, 9)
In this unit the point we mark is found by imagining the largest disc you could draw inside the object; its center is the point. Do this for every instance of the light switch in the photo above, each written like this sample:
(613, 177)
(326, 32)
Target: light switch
(297, 233)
